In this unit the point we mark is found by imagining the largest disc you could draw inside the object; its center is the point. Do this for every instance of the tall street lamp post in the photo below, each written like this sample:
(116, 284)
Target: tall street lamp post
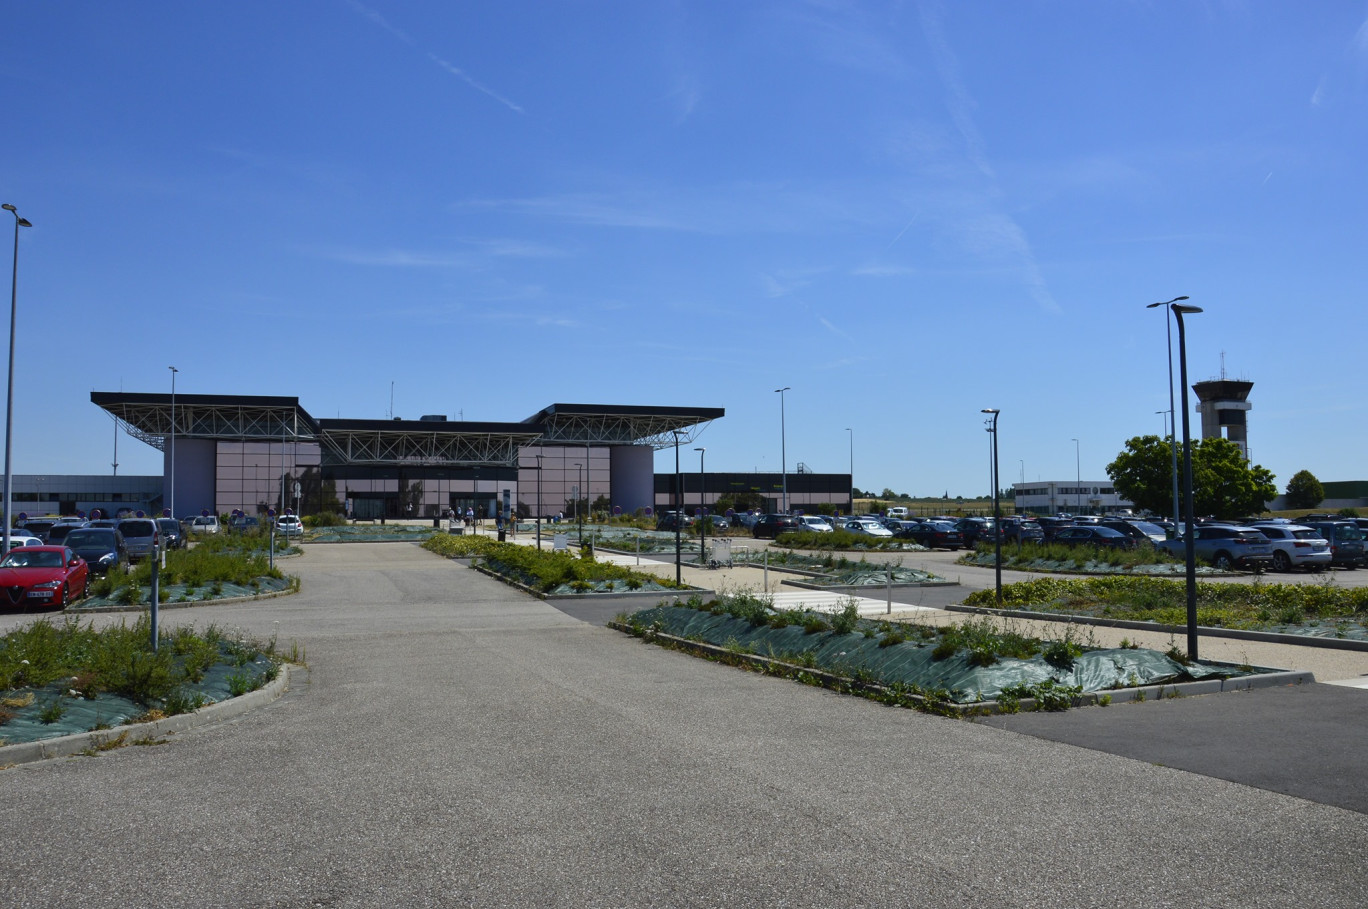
(852, 469)
(702, 510)
(578, 492)
(1078, 481)
(783, 449)
(172, 496)
(1190, 551)
(997, 511)
(539, 502)
(9, 395)
(678, 512)
(1173, 446)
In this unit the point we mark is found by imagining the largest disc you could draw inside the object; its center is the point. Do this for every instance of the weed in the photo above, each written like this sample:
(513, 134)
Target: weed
(1104, 700)
(844, 621)
(241, 683)
(52, 712)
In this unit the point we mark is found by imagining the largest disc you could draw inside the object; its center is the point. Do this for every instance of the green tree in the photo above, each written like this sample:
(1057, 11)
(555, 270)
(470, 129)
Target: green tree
(738, 502)
(1224, 484)
(1304, 490)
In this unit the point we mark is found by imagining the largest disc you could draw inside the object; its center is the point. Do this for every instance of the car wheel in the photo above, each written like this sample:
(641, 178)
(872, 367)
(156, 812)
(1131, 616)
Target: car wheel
(1281, 562)
(1223, 562)
(65, 597)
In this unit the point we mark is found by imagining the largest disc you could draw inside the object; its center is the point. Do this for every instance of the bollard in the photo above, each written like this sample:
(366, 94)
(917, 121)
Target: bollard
(766, 571)
(889, 590)
(156, 598)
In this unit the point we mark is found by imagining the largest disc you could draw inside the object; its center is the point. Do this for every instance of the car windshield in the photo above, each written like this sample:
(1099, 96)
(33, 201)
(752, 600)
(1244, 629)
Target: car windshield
(90, 538)
(1147, 528)
(32, 559)
(1349, 533)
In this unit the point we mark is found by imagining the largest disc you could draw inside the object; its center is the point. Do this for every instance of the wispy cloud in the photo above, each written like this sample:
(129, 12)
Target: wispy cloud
(882, 271)
(380, 20)
(449, 67)
(988, 229)
(478, 86)
(477, 256)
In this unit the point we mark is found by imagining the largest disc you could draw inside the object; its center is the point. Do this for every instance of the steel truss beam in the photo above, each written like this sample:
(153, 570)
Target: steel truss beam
(656, 431)
(150, 422)
(436, 449)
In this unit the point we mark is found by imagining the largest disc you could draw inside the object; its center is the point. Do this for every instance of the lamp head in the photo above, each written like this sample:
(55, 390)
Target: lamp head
(1185, 310)
(989, 410)
(700, 449)
(7, 207)
(1165, 302)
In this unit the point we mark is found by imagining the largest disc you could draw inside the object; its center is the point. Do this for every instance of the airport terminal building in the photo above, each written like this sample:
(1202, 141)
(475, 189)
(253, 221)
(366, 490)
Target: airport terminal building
(248, 453)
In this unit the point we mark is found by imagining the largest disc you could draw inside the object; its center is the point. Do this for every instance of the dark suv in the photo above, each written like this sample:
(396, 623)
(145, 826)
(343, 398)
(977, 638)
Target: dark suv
(1345, 538)
(771, 525)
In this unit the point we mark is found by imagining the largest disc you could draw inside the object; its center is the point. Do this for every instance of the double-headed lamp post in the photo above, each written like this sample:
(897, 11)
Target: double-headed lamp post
(702, 509)
(1189, 547)
(783, 449)
(172, 492)
(1173, 443)
(997, 511)
(9, 395)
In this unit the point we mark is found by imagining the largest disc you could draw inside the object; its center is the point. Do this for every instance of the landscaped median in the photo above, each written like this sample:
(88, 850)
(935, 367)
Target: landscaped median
(61, 679)
(547, 573)
(1313, 610)
(216, 568)
(1056, 557)
(983, 665)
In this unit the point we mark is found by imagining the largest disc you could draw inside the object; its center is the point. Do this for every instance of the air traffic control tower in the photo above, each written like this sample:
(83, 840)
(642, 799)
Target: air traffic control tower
(1224, 409)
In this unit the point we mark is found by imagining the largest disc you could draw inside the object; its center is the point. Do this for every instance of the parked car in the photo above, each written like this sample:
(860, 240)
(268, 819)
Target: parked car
(771, 525)
(976, 530)
(42, 576)
(933, 535)
(718, 523)
(1225, 546)
(21, 537)
(815, 523)
(57, 533)
(204, 524)
(1093, 535)
(1295, 546)
(172, 532)
(39, 526)
(102, 548)
(141, 536)
(1021, 530)
(1137, 534)
(867, 527)
(898, 512)
(290, 525)
(1049, 525)
(671, 521)
(1345, 539)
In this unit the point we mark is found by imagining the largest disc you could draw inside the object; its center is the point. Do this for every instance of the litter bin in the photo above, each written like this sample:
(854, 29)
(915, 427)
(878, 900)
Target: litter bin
(502, 532)
(436, 523)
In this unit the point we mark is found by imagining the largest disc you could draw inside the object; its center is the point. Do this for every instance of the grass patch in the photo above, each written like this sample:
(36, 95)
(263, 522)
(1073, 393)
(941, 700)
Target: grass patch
(1242, 606)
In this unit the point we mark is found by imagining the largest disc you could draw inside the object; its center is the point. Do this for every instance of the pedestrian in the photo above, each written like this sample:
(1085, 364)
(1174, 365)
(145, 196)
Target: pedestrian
(512, 526)
(470, 518)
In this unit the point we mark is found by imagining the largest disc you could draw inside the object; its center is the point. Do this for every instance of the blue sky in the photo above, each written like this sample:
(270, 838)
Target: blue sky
(905, 212)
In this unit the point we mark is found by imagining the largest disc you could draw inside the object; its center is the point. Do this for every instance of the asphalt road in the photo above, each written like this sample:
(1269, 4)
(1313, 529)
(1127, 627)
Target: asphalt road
(460, 744)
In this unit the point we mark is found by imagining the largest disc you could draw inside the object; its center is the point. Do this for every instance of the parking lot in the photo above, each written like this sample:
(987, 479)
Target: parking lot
(456, 742)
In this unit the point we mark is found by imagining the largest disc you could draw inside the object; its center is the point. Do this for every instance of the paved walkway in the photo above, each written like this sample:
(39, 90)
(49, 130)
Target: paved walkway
(458, 743)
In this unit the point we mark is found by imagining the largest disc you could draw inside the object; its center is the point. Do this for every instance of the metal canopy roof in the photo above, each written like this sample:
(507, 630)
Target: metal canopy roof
(430, 442)
(261, 418)
(621, 424)
(256, 418)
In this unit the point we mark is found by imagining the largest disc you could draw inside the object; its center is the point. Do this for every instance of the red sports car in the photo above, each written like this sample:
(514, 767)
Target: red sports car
(42, 576)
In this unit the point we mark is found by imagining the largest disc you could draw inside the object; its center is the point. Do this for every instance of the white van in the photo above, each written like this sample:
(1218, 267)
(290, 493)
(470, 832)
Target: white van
(899, 512)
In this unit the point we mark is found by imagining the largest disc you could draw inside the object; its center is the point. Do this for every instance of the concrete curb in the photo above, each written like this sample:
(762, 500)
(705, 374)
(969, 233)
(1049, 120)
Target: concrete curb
(105, 739)
(221, 601)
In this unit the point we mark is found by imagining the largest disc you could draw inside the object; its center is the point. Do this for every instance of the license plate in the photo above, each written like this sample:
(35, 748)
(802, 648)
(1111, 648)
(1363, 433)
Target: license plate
(39, 593)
